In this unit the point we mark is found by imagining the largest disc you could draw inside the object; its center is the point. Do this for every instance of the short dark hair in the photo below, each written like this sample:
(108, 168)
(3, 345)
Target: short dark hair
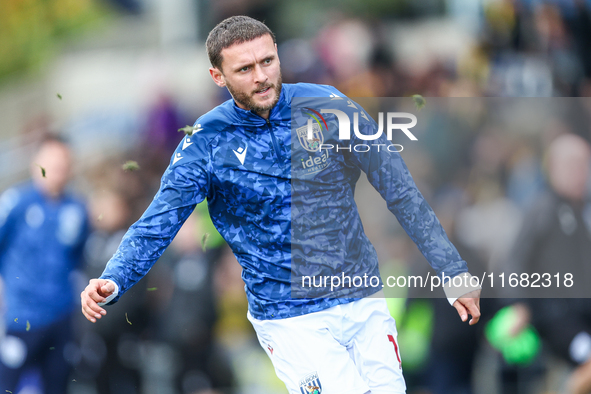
(230, 31)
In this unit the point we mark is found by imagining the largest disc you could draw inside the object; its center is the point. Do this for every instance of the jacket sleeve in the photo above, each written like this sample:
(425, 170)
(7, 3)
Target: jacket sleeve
(183, 186)
(9, 201)
(388, 174)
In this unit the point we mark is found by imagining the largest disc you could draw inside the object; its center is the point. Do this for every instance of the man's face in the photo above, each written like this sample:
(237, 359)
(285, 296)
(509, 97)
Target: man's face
(569, 158)
(54, 158)
(252, 74)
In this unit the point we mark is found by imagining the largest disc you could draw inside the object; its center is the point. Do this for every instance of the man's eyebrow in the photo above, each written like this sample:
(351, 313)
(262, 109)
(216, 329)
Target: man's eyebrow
(242, 65)
(248, 64)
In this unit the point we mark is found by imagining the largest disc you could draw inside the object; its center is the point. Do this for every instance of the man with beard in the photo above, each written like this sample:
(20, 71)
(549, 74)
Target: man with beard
(282, 218)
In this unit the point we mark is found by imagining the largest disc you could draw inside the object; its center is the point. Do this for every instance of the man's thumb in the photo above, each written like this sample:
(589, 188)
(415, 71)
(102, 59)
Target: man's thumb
(108, 288)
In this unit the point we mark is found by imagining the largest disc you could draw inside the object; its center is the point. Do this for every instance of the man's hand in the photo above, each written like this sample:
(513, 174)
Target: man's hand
(580, 380)
(469, 304)
(97, 291)
(522, 318)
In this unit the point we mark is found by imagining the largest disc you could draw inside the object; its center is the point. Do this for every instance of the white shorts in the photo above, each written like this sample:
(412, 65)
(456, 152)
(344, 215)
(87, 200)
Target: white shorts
(346, 349)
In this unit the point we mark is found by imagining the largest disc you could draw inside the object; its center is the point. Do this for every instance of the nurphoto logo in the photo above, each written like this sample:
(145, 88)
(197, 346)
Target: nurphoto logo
(314, 127)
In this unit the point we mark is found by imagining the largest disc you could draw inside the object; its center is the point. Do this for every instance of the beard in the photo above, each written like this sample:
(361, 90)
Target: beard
(248, 101)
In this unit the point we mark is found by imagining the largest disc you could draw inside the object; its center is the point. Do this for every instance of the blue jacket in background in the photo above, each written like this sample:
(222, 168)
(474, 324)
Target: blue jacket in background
(41, 243)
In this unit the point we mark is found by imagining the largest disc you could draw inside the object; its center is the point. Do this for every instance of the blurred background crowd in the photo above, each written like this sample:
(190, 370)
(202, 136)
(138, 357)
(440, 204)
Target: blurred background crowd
(508, 177)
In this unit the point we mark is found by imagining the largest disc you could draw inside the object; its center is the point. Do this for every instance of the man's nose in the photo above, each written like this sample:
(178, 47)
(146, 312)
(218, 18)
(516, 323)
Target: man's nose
(259, 75)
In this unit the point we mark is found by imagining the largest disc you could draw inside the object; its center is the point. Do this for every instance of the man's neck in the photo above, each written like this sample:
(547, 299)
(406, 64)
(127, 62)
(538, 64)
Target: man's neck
(264, 114)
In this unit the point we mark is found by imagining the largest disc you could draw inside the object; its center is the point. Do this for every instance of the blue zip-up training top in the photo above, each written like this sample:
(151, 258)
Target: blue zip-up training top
(284, 206)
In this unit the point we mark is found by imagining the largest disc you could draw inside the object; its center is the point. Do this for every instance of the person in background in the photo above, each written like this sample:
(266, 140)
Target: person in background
(180, 322)
(555, 238)
(43, 229)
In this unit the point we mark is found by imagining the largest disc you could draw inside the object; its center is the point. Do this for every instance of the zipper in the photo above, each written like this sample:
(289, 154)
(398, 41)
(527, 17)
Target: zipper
(275, 144)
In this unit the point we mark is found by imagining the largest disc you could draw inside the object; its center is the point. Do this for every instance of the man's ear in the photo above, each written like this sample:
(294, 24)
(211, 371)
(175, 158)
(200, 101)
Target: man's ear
(217, 76)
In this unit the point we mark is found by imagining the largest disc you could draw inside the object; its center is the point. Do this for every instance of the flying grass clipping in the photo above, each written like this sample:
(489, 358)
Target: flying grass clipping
(130, 166)
(419, 101)
(188, 130)
(43, 172)
(204, 242)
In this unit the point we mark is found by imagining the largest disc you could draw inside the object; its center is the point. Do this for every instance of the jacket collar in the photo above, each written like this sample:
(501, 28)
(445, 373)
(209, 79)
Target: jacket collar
(250, 118)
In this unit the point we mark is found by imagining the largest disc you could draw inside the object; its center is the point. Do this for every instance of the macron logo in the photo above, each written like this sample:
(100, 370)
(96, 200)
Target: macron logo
(177, 158)
(187, 142)
(241, 154)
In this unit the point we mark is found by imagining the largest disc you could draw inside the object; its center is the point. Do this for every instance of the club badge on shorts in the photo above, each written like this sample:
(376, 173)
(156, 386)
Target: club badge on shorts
(310, 384)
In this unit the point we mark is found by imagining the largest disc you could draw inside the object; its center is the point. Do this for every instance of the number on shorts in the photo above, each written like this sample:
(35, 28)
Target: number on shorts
(391, 339)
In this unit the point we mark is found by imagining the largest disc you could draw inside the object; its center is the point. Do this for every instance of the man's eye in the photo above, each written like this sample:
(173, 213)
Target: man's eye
(267, 61)
(245, 68)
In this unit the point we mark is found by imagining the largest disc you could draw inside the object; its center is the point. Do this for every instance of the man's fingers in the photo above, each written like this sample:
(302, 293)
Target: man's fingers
(461, 310)
(465, 306)
(95, 296)
(87, 316)
(91, 314)
(89, 300)
(96, 292)
(99, 289)
(474, 310)
(92, 306)
(107, 289)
